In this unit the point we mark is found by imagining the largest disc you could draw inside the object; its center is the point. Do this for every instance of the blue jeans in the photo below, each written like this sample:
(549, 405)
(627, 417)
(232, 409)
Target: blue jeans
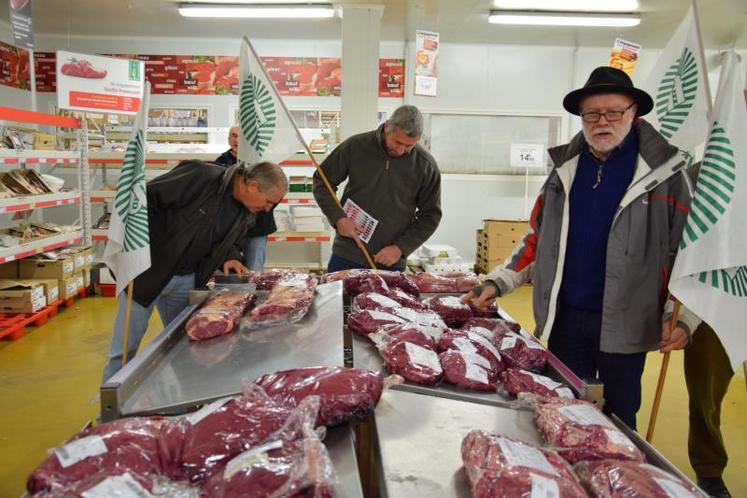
(575, 341)
(336, 263)
(170, 302)
(254, 254)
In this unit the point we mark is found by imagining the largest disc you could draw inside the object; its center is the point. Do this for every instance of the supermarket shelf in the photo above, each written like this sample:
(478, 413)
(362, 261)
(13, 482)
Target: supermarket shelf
(15, 156)
(300, 237)
(291, 198)
(36, 246)
(29, 202)
(99, 234)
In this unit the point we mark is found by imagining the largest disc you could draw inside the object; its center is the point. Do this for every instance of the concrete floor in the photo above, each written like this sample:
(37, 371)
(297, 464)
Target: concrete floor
(49, 384)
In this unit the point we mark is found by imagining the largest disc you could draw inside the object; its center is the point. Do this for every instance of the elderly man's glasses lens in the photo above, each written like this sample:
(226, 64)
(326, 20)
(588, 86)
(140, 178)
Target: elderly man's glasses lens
(594, 116)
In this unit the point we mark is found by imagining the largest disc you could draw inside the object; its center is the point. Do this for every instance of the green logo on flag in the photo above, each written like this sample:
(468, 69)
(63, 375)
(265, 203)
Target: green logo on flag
(676, 93)
(715, 186)
(732, 280)
(130, 201)
(256, 113)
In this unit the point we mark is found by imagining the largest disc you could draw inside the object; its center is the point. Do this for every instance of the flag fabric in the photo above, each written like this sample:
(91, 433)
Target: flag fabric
(267, 132)
(127, 251)
(710, 273)
(678, 86)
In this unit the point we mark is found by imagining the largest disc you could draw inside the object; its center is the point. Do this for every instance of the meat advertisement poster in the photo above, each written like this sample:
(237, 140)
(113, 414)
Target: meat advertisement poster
(426, 63)
(20, 23)
(46, 68)
(391, 78)
(624, 56)
(305, 76)
(101, 84)
(14, 67)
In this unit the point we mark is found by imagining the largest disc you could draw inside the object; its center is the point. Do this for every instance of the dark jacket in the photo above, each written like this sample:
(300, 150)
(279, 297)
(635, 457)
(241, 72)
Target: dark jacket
(265, 220)
(182, 205)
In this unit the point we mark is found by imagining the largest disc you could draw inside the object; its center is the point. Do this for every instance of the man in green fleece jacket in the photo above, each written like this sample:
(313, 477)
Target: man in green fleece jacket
(394, 180)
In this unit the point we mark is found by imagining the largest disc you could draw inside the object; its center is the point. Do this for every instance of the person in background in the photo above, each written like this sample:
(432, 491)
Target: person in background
(393, 179)
(256, 241)
(198, 215)
(603, 235)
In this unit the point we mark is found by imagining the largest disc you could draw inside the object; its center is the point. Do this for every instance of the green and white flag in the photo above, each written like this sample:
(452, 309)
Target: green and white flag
(678, 86)
(127, 251)
(267, 132)
(710, 273)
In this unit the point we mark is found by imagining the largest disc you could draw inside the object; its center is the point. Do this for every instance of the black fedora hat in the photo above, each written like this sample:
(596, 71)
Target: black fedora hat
(607, 79)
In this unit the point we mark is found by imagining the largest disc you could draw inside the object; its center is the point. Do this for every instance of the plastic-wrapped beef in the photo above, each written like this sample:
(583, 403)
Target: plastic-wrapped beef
(415, 362)
(292, 462)
(468, 370)
(288, 302)
(344, 393)
(436, 284)
(464, 281)
(364, 281)
(123, 483)
(365, 322)
(517, 381)
(470, 342)
(499, 326)
(375, 301)
(490, 311)
(427, 321)
(406, 300)
(398, 280)
(579, 431)
(522, 352)
(218, 315)
(266, 280)
(627, 479)
(411, 332)
(499, 466)
(126, 444)
(339, 275)
(451, 309)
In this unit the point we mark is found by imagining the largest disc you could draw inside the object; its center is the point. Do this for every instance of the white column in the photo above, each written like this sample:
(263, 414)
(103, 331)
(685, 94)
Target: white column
(361, 27)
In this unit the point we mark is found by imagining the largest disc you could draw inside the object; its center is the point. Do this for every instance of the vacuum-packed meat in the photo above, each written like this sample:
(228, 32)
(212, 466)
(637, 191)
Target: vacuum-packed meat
(490, 311)
(415, 362)
(517, 381)
(398, 280)
(411, 332)
(451, 309)
(499, 326)
(364, 281)
(471, 342)
(454, 282)
(344, 393)
(522, 352)
(219, 315)
(498, 466)
(122, 483)
(427, 321)
(406, 300)
(468, 370)
(627, 479)
(288, 302)
(267, 279)
(375, 301)
(365, 322)
(580, 431)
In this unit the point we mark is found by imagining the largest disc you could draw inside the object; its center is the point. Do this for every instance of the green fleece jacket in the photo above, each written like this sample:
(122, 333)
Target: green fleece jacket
(403, 193)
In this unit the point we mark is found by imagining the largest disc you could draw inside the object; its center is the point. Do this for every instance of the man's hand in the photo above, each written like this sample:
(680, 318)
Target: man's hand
(487, 296)
(672, 340)
(236, 266)
(347, 228)
(388, 256)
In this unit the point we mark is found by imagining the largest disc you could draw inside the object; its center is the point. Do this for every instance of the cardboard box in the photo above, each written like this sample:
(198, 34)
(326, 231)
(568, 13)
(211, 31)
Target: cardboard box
(79, 281)
(68, 287)
(59, 269)
(19, 297)
(504, 233)
(88, 254)
(87, 277)
(51, 287)
(9, 270)
(44, 141)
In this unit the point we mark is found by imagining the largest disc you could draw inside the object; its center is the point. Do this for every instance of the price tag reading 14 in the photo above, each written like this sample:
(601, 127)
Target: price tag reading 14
(527, 155)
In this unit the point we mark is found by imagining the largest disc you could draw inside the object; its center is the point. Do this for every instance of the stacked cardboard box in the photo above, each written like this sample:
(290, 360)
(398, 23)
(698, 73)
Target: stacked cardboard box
(21, 297)
(496, 241)
(307, 219)
(440, 258)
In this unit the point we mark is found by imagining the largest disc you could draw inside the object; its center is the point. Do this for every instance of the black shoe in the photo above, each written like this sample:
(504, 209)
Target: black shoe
(714, 487)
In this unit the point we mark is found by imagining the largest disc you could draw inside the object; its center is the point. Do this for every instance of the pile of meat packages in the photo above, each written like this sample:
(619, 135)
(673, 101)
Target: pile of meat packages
(218, 315)
(265, 442)
(288, 302)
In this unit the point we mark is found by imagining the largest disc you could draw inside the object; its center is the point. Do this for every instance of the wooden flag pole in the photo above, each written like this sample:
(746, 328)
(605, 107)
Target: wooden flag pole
(662, 377)
(126, 339)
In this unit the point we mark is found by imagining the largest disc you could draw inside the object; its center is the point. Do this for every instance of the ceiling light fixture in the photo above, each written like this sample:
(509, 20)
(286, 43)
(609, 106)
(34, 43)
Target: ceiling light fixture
(539, 18)
(256, 11)
(569, 5)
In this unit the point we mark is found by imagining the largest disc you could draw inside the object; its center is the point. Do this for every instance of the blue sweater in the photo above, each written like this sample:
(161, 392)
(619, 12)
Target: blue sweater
(592, 210)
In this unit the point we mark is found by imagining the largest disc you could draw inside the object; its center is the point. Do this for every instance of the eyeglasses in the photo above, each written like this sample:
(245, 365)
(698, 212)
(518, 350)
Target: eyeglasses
(594, 116)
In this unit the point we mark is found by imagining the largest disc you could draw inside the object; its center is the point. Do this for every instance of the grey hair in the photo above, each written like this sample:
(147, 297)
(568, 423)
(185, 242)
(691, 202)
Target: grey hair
(408, 119)
(267, 175)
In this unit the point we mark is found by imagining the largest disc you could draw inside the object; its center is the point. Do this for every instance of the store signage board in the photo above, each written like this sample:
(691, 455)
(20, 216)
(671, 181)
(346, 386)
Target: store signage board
(527, 155)
(99, 84)
(624, 56)
(20, 22)
(392, 78)
(426, 63)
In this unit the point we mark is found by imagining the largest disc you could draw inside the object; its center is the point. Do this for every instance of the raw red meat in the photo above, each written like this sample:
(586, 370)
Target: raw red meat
(414, 362)
(365, 322)
(490, 311)
(218, 315)
(393, 279)
(470, 342)
(288, 302)
(375, 301)
(579, 431)
(344, 393)
(405, 299)
(82, 69)
(521, 381)
(476, 329)
(398, 280)
(365, 282)
(428, 321)
(468, 370)
(293, 462)
(451, 309)
(410, 332)
(266, 280)
(522, 352)
(103, 482)
(464, 282)
(624, 479)
(339, 275)
(429, 283)
(130, 443)
(498, 325)
(499, 466)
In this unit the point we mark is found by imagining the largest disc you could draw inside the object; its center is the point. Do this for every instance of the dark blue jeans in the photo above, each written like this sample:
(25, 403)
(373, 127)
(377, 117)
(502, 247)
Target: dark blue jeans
(336, 263)
(575, 341)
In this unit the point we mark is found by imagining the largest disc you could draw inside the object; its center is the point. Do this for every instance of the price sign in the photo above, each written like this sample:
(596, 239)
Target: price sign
(527, 155)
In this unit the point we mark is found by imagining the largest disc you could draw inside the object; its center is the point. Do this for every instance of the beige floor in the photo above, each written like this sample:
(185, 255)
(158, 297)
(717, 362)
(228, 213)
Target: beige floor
(49, 383)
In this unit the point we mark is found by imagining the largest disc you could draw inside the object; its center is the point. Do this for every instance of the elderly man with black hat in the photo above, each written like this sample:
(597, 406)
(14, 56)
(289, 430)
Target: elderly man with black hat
(603, 234)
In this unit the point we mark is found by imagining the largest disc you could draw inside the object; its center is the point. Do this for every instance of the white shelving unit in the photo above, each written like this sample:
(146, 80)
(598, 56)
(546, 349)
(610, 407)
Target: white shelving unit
(28, 202)
(21, 251)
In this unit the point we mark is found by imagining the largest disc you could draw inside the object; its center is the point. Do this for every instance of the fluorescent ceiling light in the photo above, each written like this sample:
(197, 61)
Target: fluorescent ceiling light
(563, 18)
(569, 5)
(283, 11)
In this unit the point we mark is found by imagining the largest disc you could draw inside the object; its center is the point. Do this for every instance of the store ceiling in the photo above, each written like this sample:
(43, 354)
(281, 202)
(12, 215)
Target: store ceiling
(723, 22)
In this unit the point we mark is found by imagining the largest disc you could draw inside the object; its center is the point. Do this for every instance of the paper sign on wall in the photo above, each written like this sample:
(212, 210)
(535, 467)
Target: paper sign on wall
(624, 56)
(100, 84)
(426, 63)
(20, 22)
(527, 155)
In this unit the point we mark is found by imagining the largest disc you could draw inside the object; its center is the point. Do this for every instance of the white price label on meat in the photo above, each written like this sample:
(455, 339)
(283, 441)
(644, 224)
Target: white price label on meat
(121, 486)
(419, 355)
(542, 487)
(617, 438)
(674, 489)
(384, 301)
(508, 342)
(475, 372)
(197, 417)
(565, 392)
(520, 455)
(452, 302)
(484, 343)
(80, 449)
(586, 415)
(487, 334)
(250, 457)
(477, 359)
(531, 343)
(362, 219)
(544, 381)
(464, 345)
(384, 316)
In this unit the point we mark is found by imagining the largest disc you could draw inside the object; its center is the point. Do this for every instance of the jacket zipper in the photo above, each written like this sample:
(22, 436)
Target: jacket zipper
(386, 166)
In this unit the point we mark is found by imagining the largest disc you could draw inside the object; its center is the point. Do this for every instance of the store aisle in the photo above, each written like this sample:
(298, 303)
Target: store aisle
(49, 389)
